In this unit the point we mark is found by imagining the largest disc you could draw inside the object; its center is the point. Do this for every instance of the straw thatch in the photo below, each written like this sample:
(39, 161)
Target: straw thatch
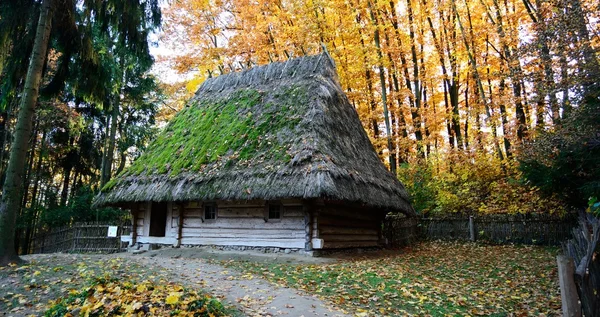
(284, 130)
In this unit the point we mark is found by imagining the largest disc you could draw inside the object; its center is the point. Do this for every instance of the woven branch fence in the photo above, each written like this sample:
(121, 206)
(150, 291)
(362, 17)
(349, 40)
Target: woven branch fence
(497, 229)
(82, 238)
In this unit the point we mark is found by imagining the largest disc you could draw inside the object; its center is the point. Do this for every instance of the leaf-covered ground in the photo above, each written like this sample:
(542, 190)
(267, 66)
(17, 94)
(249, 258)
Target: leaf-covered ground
(434, 278)
(61, 284)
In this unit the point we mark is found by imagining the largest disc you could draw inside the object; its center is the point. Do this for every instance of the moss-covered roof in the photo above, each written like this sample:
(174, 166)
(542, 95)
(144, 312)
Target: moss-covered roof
(284, 130)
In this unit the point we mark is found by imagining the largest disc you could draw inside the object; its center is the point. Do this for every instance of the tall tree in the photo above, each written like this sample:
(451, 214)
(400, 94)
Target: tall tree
(13, 187)
(72, 25)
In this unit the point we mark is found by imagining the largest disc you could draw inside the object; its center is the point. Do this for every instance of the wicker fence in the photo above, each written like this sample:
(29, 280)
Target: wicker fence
(499, 229)
(82, 238)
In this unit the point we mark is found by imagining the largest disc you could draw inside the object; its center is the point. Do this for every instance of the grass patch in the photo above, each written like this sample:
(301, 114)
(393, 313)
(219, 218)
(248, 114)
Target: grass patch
(433, 278)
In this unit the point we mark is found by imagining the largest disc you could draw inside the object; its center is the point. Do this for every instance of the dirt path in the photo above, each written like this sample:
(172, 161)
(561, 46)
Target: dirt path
(27, 289)
(253, 295)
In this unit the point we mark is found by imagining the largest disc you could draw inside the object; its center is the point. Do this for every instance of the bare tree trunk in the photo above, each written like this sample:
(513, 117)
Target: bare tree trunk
(386, 115)
(34, 199)
(13, 187)
(116, 107)
(416, 86)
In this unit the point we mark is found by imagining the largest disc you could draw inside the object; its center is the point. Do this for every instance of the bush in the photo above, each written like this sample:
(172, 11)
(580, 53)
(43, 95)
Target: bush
(80, 209)
(473, 184)
(566, 162)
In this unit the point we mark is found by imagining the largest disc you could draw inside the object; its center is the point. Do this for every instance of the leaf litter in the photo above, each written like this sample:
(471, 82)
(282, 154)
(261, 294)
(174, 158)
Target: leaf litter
(98, 285)
(430, 279)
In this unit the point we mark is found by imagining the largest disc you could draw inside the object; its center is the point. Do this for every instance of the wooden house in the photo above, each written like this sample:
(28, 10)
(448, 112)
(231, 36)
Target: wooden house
(274, 156)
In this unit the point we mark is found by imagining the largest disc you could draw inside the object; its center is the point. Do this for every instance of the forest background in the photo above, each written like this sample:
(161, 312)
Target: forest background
(479, 106)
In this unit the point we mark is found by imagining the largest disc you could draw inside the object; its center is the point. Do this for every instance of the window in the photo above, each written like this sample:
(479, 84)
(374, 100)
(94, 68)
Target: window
(274, 211)
(210, 212)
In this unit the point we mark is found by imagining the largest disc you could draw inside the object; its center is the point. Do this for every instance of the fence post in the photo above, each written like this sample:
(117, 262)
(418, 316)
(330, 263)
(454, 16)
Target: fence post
(568, 290)
(471, 229)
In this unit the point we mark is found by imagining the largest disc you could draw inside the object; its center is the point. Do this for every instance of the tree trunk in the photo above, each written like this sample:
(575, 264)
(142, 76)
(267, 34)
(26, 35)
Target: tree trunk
(34, 199)
(416, 112)
(107, 168)
(386, 115)
(13, 187)
(5, 140)
(23, 211)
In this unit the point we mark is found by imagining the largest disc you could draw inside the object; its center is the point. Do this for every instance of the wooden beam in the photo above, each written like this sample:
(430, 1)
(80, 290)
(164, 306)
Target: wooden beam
(135, 209)
(180, 212)
(568, 290)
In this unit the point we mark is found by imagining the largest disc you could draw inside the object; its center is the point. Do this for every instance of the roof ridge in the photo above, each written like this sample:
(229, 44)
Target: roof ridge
(305, 67)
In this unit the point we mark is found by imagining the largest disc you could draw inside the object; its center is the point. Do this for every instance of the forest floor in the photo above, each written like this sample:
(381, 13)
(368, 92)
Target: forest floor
(432, 278)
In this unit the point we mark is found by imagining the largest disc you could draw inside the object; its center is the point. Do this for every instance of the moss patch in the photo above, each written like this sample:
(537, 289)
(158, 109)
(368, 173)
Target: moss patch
(225, 133)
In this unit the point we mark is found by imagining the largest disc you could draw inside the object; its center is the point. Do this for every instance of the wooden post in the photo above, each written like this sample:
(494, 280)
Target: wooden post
(308, 225)
(568, 290)
(179, 224)
(134, 214)
(471, 229)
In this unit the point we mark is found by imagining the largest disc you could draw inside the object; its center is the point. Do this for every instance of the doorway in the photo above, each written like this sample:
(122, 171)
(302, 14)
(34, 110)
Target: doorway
(158, 219)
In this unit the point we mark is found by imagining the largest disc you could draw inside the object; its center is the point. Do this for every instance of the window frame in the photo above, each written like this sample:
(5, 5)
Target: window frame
(268, 211)
(216, 211)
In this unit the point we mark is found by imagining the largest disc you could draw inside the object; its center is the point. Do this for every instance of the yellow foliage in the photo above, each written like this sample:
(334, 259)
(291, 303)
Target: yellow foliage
(114, 298)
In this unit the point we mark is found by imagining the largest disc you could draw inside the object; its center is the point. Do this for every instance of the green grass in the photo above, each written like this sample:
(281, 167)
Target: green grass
(437, 279)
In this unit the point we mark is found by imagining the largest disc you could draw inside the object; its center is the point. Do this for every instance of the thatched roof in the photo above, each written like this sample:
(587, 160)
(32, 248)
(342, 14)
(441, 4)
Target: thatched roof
(284, 130)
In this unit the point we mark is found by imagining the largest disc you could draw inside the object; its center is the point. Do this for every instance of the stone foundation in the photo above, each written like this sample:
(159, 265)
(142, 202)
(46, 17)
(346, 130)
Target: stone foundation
(250, 248)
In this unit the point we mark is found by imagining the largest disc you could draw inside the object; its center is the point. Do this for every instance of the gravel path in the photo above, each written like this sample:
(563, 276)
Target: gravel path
(252, 294)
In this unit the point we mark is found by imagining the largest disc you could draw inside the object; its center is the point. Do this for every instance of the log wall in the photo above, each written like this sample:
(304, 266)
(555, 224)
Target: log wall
(337, 227)
(244, 224)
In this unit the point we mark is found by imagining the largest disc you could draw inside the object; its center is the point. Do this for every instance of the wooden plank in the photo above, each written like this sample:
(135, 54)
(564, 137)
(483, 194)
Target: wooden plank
(159, 240)
(336, 238)
(291, 202)
(179, 224)
(278, 243)
(193, 204)
(365, 214)
(293, 211)
(241, 233)
(325, 230)
(241, 203)
(345, 222)
(351, 244)
(246, 212)
(240, 223)
(568, 290)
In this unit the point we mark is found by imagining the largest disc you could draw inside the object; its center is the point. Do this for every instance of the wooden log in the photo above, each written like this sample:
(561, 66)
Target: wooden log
(256, 242)
(134, 224)
(568, 290)
(349, 213)
(179, 224)
(343, 237)
(471, 229)
(307, 225)
(240, 223)
(247, 212)
(328, 230)
(349, 244)
(242, 233)
(342, 222)
(241, 203)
